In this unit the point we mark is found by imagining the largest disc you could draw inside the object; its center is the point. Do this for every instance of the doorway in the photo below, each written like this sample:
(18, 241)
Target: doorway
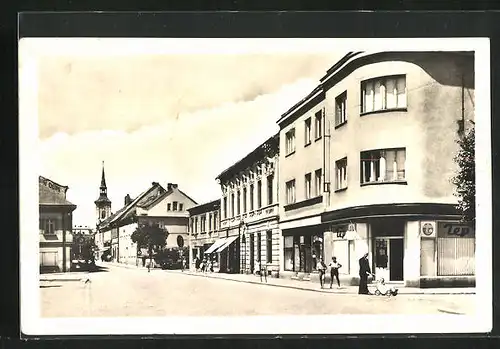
(389, 252)
(252, 251)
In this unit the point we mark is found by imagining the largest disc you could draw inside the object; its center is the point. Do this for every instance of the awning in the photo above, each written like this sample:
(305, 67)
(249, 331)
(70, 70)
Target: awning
(228, 242)
(215, 245)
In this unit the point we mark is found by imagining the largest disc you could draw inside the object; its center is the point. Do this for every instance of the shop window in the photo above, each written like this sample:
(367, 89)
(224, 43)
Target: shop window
(384, 93)
(340, 109)
(455, 249)
(290, 141)
(269, 246)
(341, 174)
(379, 166)
(307, 133)
(290, 192)
(316, 250)
(288, 250)
(308, 186)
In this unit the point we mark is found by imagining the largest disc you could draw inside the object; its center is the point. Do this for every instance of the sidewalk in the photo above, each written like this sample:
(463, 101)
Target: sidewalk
(311, 286)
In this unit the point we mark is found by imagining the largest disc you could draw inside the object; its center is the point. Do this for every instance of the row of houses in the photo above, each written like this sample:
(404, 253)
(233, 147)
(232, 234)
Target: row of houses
(361, 165)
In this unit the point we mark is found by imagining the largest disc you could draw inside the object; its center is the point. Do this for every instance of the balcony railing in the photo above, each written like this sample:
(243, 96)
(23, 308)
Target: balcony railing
(255, 215)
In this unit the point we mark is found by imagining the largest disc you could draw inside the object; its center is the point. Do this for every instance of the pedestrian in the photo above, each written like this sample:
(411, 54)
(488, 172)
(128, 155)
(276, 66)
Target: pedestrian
(334, 271)
(262, 270)
(183, 262)
(197, 263)
(364, 272)
(321, 267)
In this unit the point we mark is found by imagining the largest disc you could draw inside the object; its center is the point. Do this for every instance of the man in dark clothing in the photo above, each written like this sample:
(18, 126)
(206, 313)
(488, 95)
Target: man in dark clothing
(364, 271)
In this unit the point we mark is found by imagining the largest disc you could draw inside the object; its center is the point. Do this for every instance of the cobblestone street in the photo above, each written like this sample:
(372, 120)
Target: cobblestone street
(118, 291)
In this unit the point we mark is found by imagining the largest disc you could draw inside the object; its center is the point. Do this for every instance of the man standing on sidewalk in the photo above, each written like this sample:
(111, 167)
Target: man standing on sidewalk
(262, 270)
(321, 267)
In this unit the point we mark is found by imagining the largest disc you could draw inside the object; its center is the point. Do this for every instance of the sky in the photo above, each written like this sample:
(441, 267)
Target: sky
(168, 117)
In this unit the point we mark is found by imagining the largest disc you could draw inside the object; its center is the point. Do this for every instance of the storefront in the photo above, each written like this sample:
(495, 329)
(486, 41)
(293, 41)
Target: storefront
(302, 249)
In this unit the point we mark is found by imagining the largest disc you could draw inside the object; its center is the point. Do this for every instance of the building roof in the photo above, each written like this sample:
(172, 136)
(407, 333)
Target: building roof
(271, 145)
(205, 207)
(51, 193)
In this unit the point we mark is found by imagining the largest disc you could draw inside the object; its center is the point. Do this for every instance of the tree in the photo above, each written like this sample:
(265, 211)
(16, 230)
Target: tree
(151, 237)
(465, 180)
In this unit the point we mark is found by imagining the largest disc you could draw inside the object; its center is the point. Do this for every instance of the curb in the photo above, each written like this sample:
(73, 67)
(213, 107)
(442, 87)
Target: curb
(321, 290)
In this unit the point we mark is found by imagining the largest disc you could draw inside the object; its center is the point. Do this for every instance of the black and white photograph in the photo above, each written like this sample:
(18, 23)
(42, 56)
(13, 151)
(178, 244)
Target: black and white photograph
(240, 186)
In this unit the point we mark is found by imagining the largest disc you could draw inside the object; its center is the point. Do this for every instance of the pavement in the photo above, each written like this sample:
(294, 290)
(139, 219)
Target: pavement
(307, 285)
(118, 291)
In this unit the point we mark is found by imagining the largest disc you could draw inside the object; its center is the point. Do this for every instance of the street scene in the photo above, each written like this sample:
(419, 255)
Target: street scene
(174, 293)
(308, 183)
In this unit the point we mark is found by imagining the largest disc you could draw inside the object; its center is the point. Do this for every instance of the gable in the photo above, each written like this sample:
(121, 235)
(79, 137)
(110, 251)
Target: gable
(174, 197)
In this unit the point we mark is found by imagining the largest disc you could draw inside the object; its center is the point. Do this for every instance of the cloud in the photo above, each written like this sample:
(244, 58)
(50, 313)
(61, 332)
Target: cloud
(88, 93)
(190, 150)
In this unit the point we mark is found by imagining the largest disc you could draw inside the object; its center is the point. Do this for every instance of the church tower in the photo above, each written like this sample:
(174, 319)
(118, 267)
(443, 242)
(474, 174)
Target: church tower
(103, 204)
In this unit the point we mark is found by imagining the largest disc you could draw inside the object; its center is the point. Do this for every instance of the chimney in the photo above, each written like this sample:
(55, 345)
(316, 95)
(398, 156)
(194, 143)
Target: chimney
(154, 184)
(128, 199)
(171, 186)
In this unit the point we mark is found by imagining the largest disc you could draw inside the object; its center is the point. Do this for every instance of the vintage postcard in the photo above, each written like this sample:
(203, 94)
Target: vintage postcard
(268, 186)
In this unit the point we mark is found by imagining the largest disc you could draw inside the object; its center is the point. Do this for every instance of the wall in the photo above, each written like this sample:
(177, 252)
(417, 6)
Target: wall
(305, 159)
(428, 130)
(127, 249)
(54, 242)
(411, 257)
(160, 209)
(59, 257)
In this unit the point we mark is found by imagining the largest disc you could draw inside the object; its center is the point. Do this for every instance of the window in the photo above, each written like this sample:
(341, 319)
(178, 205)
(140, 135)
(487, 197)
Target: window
(383, 165)
(161, 224)
(203, 224)
(290, 141)
(318, 125)
(103, 214)
(290, 191)
(317, 182)
(456, 249)
(191, 225)
(196, 224)
(232, 205)
(269, 246)
(216, 225)
(50, 226)
(169, 207)
(225, 207)
(181, 207)
(210, 222)
(307, 133)
(308, 186)
(251, 197)
(270, 180)
(340, 109)
(244, 200)
(383, 94)
(341, 174)
(174, 206)
(259, 194)
(238, 204)
(259, 246)
(288, 255)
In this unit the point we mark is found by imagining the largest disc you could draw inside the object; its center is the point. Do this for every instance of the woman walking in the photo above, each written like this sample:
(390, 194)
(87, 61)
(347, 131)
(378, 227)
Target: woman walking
(334, 271)
(364, 272)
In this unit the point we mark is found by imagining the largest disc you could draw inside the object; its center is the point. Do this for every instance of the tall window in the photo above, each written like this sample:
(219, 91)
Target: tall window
(210, 227)
(340, 109)
(383, 93)
(270, 180)
(216, 224)
(317, 182)
(251, 197)
(290, 191)
(341, 174)
(259, 194)
(383, 165)
(232, 205)
(174, 206)
(318, 124)
(50, 226)
(290, 141)
(191, 225)
(196, 224)
(308, 186)
(259, 247)
(288, 254)
(169, 207)
(269, 246)
(238, 203)
(181, 206)
(307, 131)
(244, 200)
(225, 207)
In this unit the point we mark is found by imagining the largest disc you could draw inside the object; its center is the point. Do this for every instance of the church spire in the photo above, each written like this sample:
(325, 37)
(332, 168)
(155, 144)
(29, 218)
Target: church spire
(103, 178)
(103, 191)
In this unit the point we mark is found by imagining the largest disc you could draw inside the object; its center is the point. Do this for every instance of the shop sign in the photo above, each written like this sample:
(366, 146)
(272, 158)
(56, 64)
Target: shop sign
(455, 229)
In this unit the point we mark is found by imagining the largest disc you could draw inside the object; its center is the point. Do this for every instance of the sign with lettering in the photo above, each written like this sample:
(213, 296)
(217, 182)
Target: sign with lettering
(427, 229)
(455, 229)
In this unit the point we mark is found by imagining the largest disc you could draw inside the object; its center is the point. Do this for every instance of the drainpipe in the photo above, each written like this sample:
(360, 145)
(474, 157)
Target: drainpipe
(326, 160)
(64, 242)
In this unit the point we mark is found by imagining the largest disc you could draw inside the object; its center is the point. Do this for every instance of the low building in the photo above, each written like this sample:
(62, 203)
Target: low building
(204, 224)
(165, 208)
(55, 222)
(385, 131)
(249, 234)
(83, 248)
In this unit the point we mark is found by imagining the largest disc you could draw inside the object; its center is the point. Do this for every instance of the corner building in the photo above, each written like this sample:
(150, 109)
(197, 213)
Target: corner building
(391, 122)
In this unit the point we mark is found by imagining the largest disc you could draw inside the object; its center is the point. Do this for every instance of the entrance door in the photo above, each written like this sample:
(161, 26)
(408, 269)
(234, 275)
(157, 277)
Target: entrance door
(252, 251)
(382, 258)
(396, 248)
